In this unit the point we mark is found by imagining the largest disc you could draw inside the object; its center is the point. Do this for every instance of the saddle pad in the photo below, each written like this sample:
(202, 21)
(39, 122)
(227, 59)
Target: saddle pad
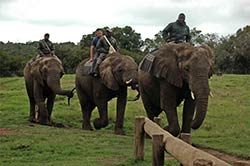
(147, 62)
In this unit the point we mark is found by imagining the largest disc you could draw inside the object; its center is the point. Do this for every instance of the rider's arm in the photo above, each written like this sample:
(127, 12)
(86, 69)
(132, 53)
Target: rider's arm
(166, 30)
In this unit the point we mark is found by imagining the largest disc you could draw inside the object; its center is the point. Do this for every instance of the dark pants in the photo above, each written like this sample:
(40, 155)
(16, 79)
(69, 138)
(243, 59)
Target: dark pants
(97, 62)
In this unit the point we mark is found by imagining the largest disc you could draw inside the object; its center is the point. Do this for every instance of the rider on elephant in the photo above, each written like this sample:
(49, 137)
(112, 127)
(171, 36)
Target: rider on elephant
(93, 52)
(45, 47)
(177, 32)
(106, 44)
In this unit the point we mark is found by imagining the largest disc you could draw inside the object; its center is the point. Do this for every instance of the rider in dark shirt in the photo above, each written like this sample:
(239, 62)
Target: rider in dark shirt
(94, 42)
(105, 45)
(178, 31)
(45, 47)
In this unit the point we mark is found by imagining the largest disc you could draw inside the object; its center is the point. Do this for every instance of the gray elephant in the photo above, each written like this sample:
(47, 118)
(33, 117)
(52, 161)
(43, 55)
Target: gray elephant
(117, 72)
(42, 80)
(179, 72)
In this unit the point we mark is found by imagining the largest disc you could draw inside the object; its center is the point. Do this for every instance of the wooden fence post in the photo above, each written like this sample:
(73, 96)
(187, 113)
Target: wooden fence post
(186, 137)
(139, 138)
(158, 150)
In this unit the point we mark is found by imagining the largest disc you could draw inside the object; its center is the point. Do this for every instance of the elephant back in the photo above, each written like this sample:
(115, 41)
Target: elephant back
(84, 68)
(45, 60)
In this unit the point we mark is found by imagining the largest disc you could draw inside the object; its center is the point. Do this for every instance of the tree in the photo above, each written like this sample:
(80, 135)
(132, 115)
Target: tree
(232, 54)
(127, 38)
(210, 39)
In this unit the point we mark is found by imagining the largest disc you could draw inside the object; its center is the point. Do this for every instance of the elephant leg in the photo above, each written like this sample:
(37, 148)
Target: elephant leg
(151, 109)
(188, 113)
(29, 89)
(87, 109)
(42, 113)
(120, 111)
(103, 112)
(50, 104)
(40, 101)
(168, 104)
(173, 124)
(32, 117)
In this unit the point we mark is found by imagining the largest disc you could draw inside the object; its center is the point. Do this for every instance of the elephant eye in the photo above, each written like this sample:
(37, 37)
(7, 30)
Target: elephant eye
(120, 70)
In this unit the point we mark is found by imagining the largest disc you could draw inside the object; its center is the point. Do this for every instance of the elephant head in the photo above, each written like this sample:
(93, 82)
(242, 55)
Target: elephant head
(179, 63)
(48, 71)
(119, 70)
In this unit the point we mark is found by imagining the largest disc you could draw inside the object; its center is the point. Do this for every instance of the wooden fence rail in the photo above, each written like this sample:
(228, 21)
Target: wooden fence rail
(185, 153)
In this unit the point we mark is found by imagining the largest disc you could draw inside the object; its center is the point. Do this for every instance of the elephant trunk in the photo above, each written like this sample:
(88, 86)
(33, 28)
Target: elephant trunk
(201, 94)
(55, 86)
(201, 110)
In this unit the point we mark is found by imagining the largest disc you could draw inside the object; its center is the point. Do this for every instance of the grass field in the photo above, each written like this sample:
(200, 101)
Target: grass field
(226, 128)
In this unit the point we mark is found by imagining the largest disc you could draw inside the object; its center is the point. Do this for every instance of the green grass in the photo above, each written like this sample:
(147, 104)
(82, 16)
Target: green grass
(226, 128)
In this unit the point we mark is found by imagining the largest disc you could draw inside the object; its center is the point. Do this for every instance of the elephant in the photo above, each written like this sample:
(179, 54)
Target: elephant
(179, 72)
(117, 72)
(42, 79)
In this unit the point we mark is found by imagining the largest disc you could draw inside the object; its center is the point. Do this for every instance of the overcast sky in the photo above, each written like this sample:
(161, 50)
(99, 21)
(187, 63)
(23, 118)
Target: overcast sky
(68, 20)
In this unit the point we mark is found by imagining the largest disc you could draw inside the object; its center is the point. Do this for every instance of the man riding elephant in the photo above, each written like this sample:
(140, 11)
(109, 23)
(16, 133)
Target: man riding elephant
(177, 32)
(45, 46)
(106, 44)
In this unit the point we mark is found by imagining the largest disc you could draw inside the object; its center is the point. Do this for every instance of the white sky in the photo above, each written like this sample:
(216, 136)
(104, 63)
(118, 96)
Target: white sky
(68, 20)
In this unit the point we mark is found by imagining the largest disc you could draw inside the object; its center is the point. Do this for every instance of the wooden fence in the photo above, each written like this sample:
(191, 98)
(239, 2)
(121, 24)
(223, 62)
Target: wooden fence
(181, 150)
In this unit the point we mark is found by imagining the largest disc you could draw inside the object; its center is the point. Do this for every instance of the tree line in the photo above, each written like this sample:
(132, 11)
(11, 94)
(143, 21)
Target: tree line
(232, 52)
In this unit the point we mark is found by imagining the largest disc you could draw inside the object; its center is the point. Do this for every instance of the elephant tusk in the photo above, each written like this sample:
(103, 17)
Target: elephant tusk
(192, 95)
(211, 94)
(129, 81)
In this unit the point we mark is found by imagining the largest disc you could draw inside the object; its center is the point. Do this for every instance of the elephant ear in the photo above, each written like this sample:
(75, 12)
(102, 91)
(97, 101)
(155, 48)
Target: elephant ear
(36, 72)
(209, 55)
(108, 78)
(165, 65)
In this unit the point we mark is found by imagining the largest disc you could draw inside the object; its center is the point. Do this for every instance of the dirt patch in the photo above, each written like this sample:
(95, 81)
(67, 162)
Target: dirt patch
(111, 159)
(8, 131)
(223, 156)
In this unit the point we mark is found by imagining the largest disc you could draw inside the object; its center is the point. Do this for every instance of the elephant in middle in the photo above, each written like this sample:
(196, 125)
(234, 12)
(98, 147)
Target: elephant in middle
(117, 72)
(178, 72)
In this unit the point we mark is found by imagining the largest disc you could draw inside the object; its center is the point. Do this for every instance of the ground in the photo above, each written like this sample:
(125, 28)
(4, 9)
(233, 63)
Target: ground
(221, 155)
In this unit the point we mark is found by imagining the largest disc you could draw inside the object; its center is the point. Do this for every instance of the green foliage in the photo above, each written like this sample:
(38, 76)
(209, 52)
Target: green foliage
(128, 39)
(71, 55)
(231, 52)
(151, 44)
(232, 55)
(13, 57)
(198, 38)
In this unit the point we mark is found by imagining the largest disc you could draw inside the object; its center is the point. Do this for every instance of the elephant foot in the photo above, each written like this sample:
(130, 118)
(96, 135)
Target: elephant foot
(120, 131)
(98, 123)
(32, 120)
(87, 127)
(174, 132)
(44, 122)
